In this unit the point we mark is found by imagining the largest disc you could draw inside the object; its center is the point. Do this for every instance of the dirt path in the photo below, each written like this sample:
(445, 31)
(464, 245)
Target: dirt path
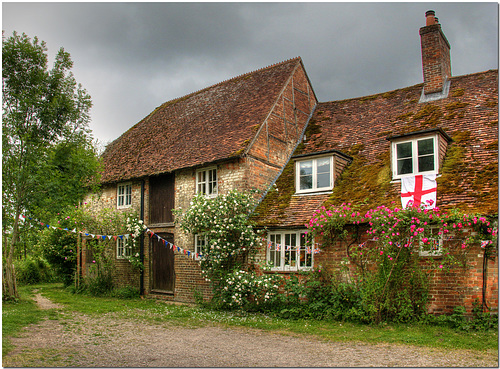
(79, 340)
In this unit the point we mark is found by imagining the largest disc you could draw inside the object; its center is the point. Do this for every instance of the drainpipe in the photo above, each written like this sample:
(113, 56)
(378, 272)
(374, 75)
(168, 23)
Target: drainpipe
(141, 278)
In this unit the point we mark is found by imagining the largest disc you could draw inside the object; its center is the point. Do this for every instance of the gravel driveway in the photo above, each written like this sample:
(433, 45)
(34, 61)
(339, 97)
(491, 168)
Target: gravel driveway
(109, 342)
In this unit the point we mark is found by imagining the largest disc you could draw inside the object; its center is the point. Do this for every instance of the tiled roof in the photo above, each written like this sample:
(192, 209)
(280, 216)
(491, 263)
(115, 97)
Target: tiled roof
(360, 127)
(212, 124)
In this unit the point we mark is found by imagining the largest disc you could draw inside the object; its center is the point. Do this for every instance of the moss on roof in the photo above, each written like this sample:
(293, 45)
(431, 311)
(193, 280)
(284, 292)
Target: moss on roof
(359, 127)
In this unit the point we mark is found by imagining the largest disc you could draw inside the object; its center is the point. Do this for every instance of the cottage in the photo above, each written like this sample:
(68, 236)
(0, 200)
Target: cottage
(360, 150)
(266, 129)
(237, 134)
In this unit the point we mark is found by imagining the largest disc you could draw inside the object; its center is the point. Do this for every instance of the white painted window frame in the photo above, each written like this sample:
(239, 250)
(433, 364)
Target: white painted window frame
(125, 196)
(198, 247)
(207, 182)
(123, 249)
(292, 266)
(433, 236)
(414, 141)
(315, 187)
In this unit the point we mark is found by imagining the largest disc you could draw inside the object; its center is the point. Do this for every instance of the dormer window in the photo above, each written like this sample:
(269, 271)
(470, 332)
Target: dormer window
(417, 153)
(316, 173)
(416, 156)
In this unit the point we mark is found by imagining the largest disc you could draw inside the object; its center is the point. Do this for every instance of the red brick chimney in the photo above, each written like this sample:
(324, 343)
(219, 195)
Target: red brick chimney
(436, 62)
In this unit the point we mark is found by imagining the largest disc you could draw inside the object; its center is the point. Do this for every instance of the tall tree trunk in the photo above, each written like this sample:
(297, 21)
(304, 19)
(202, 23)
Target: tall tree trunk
(10, 283)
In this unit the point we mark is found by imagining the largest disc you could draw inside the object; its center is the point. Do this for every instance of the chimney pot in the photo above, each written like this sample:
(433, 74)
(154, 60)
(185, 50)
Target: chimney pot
(430, 18)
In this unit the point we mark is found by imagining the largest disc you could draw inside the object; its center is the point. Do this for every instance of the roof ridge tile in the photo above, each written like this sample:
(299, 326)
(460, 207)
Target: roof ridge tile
(298, 58)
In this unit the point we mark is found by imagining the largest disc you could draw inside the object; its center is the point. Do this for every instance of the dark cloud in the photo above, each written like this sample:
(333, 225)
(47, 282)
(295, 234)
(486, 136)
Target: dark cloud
(132, 57)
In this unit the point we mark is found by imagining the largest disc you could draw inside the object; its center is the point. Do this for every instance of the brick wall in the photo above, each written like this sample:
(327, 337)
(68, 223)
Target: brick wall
(459, 286)
(123, 273)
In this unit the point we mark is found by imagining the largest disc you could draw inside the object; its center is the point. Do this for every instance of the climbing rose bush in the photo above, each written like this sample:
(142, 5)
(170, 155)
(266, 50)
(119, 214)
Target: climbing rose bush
(388, 270)
(230, 237)
(394, 228)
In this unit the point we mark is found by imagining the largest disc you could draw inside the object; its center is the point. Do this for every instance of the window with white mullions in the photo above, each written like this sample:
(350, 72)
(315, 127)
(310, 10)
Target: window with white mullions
(431, 243)
(314, 174)
(206, 182)
(123, 248)
(289, 251)
(416, 156)
(124, 195)
(200, 241)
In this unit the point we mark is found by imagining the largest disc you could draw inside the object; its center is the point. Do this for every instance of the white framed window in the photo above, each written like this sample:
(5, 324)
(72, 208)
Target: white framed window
(433, 245)
(314, 174)
(415, 156)
(206, 182)
(124, 195)
(123, 248)
(200, 240)
(289, 251)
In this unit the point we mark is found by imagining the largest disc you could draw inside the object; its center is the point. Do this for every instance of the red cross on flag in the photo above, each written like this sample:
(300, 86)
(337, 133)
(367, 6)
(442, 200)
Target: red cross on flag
(420, 190)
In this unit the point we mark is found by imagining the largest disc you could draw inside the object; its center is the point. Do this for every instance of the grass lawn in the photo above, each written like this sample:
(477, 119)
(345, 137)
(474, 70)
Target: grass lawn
(18, 315)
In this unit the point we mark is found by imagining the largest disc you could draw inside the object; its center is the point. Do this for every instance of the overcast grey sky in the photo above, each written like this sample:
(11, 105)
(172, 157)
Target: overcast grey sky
(132, 57)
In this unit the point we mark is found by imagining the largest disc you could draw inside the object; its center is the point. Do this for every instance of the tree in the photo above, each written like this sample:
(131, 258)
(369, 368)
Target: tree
(43, 112)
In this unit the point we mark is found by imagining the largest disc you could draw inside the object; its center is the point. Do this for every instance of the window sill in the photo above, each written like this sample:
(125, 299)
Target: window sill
(287, 271)
(123, 207)
(398, 180)
(327, 192)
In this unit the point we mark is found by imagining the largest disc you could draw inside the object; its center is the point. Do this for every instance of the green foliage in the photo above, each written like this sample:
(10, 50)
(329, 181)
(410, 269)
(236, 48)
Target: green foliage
(247, 290)
(45, 118)
(59, 249)
(99, 282)
(459, 320)
(33, 270)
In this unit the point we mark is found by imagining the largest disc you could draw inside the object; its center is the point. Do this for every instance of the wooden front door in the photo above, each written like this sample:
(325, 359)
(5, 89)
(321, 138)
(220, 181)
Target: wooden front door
(161, 198)
(163, 274)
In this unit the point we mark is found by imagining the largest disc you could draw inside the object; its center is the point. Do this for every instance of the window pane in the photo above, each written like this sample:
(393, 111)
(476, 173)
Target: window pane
(306, 179)
(274, 253)
(426, 147)
(323, 173)
(305, 168)
(405, 166)
(306, 182)
(128, 195)
(324, 180)
(286, 248)
(404, 150)
(323, 165)
(426, 163)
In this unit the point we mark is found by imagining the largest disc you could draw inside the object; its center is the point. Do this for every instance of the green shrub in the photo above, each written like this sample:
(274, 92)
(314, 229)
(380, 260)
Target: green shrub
(33, 270)
(59, 248)
(98, 282)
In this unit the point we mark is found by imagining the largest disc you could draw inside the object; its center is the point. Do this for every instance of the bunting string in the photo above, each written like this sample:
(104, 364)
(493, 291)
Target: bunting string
(177, 249)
